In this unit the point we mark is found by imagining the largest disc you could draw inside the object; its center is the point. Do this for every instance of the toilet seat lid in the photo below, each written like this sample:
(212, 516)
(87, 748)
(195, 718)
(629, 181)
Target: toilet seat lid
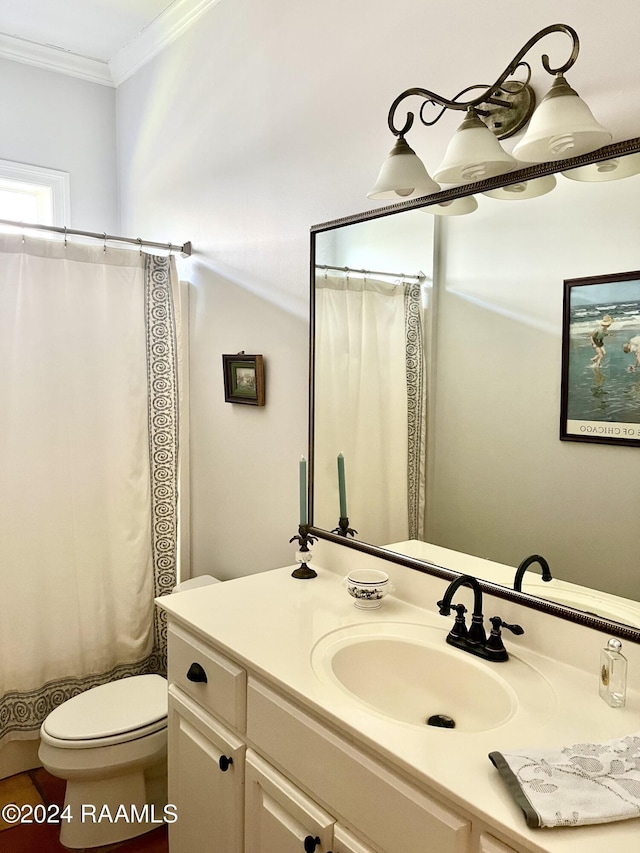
(110, 709)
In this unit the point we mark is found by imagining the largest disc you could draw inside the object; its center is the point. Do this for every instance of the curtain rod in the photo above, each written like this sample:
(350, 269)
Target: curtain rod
(184, 249)
(418, 277)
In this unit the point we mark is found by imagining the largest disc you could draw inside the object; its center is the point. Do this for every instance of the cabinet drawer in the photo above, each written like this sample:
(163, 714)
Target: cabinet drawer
(224, 692)
(278, 815)
(348, 782)
(489, 844)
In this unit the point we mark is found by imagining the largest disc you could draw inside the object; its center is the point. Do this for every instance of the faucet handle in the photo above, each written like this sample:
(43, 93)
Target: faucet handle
(459, 626)
(495, 646)
(515, 629)
(459, 629)
(497, 623)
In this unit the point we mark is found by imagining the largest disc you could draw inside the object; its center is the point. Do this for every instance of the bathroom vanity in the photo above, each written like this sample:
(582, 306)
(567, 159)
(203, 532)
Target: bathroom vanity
(292, 726)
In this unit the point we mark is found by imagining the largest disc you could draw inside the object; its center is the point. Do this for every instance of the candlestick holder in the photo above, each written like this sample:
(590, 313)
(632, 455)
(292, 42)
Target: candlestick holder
(343, 528)
(303, 555)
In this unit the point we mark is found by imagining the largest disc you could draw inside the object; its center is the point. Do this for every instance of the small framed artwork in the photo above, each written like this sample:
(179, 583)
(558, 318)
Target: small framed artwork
(600, 394)
(243, 379)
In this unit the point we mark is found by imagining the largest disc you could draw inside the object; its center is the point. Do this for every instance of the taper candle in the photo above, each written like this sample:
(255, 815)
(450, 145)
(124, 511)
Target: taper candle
(303, 490)
(341, 487)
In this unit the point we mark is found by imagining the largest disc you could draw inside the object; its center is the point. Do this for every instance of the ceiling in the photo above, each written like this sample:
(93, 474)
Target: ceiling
(101, 40)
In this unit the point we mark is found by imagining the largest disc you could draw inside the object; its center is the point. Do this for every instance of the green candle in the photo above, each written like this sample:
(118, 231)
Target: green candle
(303, 490)
(341, 487)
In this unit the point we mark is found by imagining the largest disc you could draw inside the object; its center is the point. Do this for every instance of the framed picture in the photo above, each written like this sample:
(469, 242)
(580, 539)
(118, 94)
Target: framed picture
(243, 379)
(600, 395)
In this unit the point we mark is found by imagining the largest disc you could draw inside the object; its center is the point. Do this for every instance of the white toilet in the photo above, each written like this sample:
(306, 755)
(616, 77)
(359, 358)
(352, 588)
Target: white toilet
(110, 744)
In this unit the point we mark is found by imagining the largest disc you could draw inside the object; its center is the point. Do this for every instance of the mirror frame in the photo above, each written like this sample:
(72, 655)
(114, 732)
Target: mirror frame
(619, 149)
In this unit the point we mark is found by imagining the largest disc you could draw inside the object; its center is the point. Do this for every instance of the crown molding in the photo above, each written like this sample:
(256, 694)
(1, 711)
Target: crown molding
(54, 59)
(164, 29)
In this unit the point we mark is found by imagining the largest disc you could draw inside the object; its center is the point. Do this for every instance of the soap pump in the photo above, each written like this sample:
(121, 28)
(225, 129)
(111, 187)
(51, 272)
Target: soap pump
(613, 674)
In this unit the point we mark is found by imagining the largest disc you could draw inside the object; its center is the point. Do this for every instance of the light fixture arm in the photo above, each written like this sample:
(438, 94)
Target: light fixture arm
(489, 94)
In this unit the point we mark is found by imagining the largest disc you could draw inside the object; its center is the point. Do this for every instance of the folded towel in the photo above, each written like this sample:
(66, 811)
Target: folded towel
(580, 784)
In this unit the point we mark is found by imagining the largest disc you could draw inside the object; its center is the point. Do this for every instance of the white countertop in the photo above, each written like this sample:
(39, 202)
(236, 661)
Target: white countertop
(270, 623)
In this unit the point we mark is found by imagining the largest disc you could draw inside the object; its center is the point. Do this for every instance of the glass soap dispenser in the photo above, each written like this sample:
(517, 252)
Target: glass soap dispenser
(613, 674)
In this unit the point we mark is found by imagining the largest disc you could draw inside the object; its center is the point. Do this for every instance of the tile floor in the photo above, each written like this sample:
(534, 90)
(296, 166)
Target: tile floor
(39, 787)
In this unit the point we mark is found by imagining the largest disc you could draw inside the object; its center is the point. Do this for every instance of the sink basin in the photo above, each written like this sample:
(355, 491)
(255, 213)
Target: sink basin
(408, 673)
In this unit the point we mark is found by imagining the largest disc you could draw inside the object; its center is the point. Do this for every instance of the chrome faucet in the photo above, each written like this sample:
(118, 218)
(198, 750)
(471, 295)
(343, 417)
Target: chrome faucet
(524, 565)
(474, 640)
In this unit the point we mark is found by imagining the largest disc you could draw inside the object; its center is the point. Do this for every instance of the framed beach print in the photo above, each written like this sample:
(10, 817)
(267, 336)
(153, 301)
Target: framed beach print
(243, 379)
(600, 396)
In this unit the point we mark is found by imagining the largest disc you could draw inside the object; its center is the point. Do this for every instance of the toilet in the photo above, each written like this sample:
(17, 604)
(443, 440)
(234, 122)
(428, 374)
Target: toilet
(110, 745)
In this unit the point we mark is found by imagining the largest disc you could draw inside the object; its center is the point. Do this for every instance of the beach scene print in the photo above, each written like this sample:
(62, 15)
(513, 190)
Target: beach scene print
(603, 377)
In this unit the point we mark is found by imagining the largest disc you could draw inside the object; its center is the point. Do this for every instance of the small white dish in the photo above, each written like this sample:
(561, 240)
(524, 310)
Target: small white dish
(368, 587)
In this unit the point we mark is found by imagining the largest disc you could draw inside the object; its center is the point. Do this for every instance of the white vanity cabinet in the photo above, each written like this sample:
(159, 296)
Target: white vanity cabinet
(252, 771)
(206, 780)
(281, 819)
(206, 757)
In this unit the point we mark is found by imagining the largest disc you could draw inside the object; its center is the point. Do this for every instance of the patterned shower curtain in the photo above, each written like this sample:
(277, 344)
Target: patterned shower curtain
(370, 405)
(89, 418)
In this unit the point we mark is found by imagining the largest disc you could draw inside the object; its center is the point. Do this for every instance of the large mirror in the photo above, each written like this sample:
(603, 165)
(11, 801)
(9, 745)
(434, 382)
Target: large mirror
(437, 353)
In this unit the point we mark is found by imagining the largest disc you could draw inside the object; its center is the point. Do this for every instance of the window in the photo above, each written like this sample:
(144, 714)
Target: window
(34, 195)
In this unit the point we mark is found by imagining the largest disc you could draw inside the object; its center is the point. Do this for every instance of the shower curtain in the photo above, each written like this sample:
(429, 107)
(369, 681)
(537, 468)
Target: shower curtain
(88, 469)
(370, 405)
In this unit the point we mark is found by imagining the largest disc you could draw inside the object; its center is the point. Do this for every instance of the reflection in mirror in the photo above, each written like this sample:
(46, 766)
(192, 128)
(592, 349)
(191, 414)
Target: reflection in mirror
(486, 475)
(370, 382)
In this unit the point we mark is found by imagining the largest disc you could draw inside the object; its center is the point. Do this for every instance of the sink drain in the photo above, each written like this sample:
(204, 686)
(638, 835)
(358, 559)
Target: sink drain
(441, 721)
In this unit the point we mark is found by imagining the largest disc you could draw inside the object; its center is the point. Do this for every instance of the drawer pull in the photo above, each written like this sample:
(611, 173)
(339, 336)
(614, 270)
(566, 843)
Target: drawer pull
(197, 673)
(310, 843)
(225, 762)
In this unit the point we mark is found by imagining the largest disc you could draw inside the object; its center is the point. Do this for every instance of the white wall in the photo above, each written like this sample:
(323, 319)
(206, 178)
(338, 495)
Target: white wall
(61, 122)
(504, 485)
(268, 117)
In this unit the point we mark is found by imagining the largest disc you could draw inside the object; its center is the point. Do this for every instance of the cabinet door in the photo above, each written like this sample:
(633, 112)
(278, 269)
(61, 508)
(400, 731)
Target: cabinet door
(345, 842)
(279, 818)
(208, 799)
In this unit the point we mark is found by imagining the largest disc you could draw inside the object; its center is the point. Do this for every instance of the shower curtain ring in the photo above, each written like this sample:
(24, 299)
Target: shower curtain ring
(139, 240)
(65, 236)
(104, 246)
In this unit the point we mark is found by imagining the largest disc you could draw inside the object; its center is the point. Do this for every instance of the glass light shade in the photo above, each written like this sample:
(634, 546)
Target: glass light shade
(524, 189)
(457, 207)
(562, 126)
(402, 175)
(473, 154)
(606, 170)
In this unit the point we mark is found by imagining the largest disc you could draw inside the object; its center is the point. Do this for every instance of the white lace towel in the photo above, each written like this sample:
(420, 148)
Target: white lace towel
(580, 784)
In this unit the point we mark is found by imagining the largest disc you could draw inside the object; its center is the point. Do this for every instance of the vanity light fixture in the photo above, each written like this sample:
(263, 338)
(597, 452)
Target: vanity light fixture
(457, 207)
(606, 170)
(524, 189)
(561, 127)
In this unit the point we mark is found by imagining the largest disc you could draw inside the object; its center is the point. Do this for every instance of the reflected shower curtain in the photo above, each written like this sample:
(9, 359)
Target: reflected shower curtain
(88, 469)
(370, 405)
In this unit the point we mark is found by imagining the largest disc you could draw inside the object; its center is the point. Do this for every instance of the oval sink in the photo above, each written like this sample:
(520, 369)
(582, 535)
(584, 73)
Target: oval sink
(409, 674)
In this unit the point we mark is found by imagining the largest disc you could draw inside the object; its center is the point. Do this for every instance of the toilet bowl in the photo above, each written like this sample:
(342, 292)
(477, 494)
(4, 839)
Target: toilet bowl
(110, 745)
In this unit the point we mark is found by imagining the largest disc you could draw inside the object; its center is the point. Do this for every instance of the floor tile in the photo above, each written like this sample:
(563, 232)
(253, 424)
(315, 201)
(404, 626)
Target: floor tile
(19, 790)
(38, 786)
(50, 788)
(155, 841)
(31, 838)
